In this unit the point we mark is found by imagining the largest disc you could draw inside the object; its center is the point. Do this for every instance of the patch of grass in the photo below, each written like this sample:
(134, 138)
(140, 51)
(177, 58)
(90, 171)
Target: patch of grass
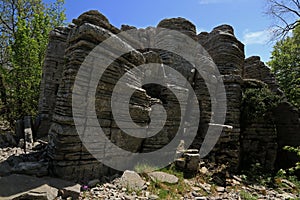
(281, 184)
(144, 168)
(247, 196)
(257, 175)
(163, 194)
(169, 191)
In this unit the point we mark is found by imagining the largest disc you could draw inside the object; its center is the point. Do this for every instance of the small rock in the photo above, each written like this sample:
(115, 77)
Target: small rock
(153, 197)
(196, 194)
(292, 185)
(220, 189)
(127, 197)
(71, 191)
(163, 177)
(196, 189)
(200, 198)
(110, 186)
(43, 192)
(203, 170)
(180, 163)
(192, 161)
(132, 180)
(238, 178)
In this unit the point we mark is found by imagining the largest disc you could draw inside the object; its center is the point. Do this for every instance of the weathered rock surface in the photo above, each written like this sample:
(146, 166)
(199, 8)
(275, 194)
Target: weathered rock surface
(163, 177)
(263, 138)
(256, 69)
(234, 188)
(52, 75)
(227, 53)
(69, 47)
(28, 187)
(132, 180)
(31, 162)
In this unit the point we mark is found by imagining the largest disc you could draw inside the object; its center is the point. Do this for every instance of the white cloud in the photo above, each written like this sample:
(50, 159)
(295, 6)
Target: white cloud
(203, 2)
(258, 37)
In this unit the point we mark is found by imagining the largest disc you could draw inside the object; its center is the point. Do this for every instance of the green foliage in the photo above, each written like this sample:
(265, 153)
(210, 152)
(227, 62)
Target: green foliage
(285, 63)
(247, 196)
(169, 191)
(257, 102)
(144, 168)
(297, 151)
(284, 180)
(24, 31)
(257, 175)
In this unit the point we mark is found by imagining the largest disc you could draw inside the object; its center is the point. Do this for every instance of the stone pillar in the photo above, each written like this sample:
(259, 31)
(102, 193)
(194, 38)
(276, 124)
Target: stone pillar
(69, 157)
(255, 69)
(52, 73)
(228, 54)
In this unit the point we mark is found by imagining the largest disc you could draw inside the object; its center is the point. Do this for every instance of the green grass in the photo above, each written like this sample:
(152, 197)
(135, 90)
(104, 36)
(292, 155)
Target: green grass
(144, 168)
(169, 191)
(247, 196)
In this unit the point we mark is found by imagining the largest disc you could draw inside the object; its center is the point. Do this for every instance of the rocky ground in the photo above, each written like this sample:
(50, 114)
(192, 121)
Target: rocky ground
(194, 188)
(28, 170)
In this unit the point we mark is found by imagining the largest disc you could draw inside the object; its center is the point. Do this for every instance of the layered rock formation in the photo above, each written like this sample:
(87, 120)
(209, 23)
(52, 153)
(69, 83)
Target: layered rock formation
(69, 47)
(263, 138)
(228, 54)
(52, 74)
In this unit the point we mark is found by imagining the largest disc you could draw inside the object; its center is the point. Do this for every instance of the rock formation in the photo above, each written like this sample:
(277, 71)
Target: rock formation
(69, 46)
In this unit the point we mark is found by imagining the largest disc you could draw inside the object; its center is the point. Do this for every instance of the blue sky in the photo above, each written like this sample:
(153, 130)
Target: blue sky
(246, 16)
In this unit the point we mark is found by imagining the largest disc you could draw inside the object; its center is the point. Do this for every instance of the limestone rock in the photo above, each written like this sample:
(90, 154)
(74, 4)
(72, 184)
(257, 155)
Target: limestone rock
(29, 187)
(163, 177)
(44, 192)
(95, 17)
(69, 46)
(32, 168)
(256, 69)
(132, 180)
(52, 75)
(127, 27)
(179, 24)
(72, 191)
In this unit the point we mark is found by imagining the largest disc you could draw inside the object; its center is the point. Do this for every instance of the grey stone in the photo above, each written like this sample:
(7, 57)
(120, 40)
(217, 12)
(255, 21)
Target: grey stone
(153, 197)
(163, 177)
(220, 189)
(192, 162)
(72, 191)
(31, 187)
(32, 168)
(200, 198)
(203, 170)
(132, 180)
(44, 192)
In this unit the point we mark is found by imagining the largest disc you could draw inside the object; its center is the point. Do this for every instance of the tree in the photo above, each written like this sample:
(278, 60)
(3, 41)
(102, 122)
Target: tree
(24, 30)
(286, 14)
(285, 63)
